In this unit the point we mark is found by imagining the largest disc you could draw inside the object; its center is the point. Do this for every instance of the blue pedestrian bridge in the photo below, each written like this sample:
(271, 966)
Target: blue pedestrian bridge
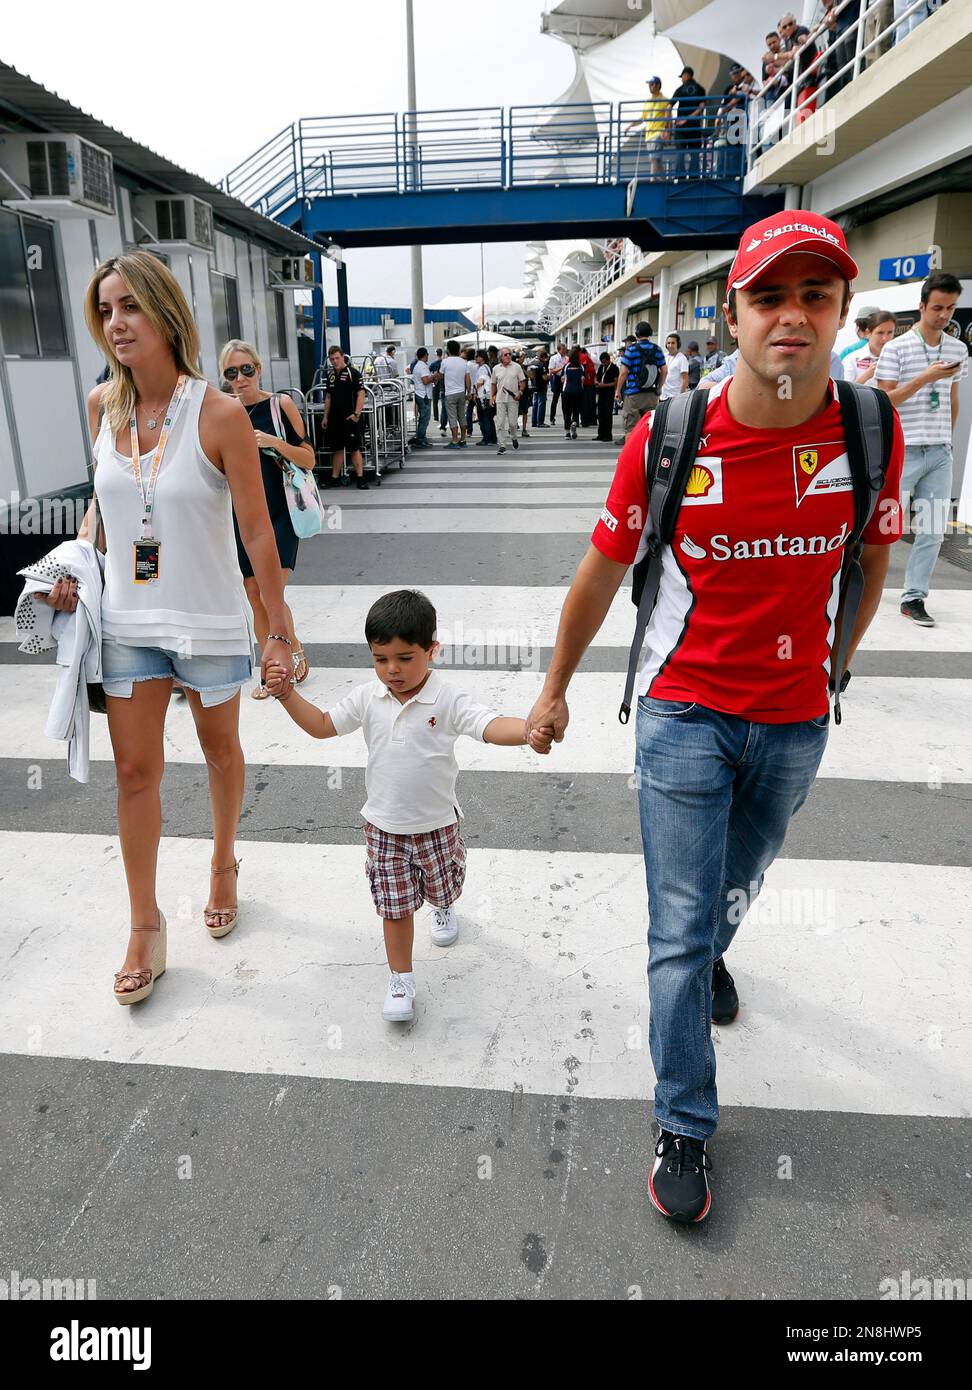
(490, 173)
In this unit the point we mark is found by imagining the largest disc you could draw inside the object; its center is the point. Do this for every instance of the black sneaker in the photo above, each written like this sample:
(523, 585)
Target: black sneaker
(501, 450)
(363, 484)
(678, 1186)
(725, 1000)
(914, 608)
(515, 442)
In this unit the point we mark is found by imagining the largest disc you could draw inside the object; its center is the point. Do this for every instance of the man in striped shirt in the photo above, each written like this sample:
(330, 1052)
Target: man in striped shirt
(920, 371)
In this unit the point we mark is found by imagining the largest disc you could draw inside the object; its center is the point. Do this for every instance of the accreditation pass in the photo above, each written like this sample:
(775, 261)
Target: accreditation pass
(148, 554)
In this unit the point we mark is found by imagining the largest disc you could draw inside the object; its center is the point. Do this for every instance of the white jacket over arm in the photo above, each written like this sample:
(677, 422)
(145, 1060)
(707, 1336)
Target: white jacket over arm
(77, 637)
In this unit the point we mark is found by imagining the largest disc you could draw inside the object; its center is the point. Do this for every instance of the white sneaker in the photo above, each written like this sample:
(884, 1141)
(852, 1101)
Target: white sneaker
(444, 927)
(399, 1005)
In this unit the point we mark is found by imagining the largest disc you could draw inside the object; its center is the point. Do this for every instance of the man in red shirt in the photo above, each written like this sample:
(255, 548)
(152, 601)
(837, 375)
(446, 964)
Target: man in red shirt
(734, 707)
(589, 404)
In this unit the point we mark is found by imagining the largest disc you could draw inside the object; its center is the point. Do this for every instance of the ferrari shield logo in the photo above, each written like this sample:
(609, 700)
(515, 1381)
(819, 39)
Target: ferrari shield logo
(808, 461)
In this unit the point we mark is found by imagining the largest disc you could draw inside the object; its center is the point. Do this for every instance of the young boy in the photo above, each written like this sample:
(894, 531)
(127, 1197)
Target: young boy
(411, 719)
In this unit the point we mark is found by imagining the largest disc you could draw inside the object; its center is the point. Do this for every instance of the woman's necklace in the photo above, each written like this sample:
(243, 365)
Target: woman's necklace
(152, 422)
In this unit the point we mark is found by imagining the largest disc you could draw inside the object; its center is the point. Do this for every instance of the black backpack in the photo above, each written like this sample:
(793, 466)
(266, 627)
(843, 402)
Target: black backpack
(868, 420)
(647, 374)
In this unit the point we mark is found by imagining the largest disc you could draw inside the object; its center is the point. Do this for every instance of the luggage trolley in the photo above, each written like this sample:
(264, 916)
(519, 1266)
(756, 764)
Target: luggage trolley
(314, 416)
(395, 421)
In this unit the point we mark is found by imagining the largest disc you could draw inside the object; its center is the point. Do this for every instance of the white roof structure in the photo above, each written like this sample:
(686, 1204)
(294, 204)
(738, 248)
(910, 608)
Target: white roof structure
(617, 47)
(716, 25)
(563, 267)
(504, 303)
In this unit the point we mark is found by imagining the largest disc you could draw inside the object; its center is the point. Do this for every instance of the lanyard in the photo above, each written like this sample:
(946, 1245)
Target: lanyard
(934, 400)
(148, 494)
(938, 356)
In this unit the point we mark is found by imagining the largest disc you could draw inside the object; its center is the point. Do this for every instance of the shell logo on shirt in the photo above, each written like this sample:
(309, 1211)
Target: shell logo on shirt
(704, 484)
(699, 482)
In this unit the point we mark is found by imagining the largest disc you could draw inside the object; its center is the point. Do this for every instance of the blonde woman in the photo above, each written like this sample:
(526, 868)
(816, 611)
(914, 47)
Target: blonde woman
(170, 454)
(240, 365)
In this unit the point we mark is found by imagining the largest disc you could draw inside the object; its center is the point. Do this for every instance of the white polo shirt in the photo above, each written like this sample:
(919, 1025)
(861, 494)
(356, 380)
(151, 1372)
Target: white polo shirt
(412, 770)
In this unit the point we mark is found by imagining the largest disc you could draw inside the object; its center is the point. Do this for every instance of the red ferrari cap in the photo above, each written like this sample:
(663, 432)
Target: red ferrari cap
(764, 242)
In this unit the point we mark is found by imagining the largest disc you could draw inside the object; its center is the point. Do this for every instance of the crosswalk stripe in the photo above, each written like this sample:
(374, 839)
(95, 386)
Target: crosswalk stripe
(887, 734)
(528, 616)
(545, 985)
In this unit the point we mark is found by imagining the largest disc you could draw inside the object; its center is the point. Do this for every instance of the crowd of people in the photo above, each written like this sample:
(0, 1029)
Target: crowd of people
(697, 133)
(509, 391)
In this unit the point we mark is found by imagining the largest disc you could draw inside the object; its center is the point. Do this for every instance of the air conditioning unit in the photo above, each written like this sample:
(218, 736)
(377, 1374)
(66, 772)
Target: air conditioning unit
(64, 175)
(176, 220)
(290, 273)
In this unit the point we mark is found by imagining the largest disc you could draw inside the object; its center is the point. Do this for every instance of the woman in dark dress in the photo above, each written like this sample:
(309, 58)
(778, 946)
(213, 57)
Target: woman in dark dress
(607, 376)
(240, 365)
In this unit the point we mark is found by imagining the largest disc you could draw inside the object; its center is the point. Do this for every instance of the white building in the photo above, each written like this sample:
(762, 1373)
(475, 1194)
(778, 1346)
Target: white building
(73, 192)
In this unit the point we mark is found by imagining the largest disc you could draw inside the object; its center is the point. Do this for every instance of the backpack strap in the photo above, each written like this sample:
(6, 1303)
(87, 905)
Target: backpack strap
(673, 443)
(868, 419)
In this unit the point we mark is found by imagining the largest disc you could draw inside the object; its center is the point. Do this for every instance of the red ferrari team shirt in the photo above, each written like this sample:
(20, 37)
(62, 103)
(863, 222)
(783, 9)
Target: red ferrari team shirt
(744, 617)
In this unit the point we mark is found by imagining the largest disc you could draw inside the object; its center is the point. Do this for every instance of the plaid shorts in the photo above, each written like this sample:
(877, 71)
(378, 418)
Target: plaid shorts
(405, 871)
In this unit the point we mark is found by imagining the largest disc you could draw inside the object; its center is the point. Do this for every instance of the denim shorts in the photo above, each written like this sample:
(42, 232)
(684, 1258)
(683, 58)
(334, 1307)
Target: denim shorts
(216, 678)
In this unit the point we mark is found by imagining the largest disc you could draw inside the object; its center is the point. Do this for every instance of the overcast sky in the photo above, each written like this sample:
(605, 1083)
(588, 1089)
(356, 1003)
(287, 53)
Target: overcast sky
(207, 83)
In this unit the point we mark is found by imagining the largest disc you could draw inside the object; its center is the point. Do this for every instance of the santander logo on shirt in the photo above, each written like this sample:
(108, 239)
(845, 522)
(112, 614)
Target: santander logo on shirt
(764, 547)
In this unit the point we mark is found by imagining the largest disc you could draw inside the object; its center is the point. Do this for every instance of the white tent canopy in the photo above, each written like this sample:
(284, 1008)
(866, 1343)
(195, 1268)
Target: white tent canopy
(486, 338)
(717, 26)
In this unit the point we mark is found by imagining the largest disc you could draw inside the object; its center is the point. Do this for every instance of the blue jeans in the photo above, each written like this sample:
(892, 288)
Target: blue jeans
(716, 794)
(927, 478)
(539, 407)
(423, 414)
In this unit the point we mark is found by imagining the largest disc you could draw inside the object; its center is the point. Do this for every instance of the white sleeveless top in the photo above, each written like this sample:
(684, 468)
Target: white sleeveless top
(198, 607)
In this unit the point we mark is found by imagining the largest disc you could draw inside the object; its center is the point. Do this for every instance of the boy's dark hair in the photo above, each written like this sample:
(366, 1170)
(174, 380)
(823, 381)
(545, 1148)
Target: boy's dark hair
(405, 614)
(334, 349)
(452, 348)
(421, 354)
(942, 281)
(678, 340)
(605, 357)
(643, 329)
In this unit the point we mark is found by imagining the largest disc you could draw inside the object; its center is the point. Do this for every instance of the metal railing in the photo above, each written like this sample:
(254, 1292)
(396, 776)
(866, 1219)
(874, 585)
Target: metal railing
(809, 81)
(478, 147)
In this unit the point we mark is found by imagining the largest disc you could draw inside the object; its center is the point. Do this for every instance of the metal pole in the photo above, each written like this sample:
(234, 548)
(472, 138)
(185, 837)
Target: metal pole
(482, 292)
(344, 314)
(418, 288)
(318, 310)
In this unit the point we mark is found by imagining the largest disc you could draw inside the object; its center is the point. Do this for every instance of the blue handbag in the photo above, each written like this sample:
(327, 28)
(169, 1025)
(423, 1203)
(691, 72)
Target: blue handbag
(303, 499)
